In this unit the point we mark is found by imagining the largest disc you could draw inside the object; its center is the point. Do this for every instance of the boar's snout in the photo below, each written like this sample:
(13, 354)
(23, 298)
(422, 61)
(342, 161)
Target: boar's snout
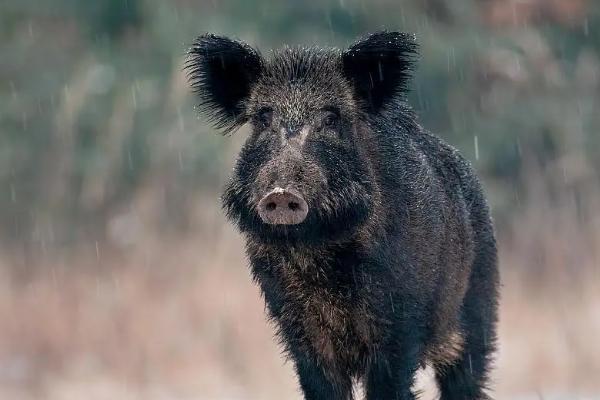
(282, 207)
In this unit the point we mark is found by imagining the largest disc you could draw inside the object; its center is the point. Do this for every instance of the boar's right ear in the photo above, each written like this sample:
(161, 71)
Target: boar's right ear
(222, 72)
(379, 67)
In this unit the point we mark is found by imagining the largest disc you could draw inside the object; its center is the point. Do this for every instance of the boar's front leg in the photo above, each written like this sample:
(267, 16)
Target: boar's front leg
(317, 385)
(391, 374)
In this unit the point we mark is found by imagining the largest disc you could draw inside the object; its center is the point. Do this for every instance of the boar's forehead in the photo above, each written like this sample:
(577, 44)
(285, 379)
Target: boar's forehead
(298, 81)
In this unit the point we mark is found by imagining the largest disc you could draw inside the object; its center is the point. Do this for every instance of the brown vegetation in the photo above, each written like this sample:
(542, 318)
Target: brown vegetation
(163, 319)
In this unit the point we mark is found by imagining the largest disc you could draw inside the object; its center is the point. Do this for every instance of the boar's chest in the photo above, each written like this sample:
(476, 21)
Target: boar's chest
(325, 311)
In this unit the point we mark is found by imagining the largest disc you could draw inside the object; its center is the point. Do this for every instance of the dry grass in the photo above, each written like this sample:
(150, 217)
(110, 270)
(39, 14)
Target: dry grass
(178, 318)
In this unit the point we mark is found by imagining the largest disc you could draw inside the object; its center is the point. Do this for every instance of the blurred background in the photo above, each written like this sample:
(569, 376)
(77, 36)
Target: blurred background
(119, 276)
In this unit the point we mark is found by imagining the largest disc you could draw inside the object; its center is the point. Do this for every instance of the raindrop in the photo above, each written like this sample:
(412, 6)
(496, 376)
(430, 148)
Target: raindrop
(67, 93)
(13, 90)
(101, 78)
(24, 120)
(133, 97)
(402, 17)
(129, 160)
(54, 279)
(180, 120)
(449, 59)
(476, 140)
(586, 27)
(329, 23)
(470, 364)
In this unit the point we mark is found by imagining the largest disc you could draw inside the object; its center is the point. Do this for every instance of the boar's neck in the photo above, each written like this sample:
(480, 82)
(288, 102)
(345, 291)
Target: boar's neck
(315, 260)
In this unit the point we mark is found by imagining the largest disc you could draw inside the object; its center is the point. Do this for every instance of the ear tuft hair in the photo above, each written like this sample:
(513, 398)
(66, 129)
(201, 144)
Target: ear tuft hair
(222, 72)
(379, 67)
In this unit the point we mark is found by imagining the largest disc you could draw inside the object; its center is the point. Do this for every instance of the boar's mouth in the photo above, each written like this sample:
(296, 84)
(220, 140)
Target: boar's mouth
(282, 207)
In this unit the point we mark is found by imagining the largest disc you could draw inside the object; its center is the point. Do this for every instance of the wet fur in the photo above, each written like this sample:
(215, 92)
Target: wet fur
(395, 266)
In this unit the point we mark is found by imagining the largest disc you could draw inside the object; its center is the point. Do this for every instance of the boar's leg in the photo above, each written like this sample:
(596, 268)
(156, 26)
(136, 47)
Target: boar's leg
(316, 385)
(391, 374)
(466, 378)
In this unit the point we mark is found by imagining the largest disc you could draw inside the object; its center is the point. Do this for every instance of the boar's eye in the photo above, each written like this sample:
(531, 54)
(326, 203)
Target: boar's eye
(264, 117)
(330, 119)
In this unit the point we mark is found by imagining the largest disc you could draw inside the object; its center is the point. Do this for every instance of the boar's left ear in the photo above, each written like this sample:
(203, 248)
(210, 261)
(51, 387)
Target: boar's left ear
(379, 67)
(222, 72)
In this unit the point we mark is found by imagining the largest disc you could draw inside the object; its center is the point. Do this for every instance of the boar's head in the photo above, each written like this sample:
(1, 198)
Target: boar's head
(306, 172)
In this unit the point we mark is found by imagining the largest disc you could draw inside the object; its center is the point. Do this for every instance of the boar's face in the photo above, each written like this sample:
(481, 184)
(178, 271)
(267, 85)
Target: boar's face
(304, 173)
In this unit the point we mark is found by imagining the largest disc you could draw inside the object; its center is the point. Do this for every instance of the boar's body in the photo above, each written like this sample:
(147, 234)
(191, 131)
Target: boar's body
(394, 264)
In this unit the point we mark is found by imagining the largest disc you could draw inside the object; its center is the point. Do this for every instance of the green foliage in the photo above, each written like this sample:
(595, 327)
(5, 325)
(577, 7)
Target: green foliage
(95, 105)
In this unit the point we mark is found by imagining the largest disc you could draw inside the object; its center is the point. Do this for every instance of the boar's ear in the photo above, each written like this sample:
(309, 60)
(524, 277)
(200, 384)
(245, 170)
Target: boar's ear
(379, 67)
(222, 72)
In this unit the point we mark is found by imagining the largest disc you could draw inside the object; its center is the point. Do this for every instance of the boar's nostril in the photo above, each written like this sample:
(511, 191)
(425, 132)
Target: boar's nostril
(282, 207)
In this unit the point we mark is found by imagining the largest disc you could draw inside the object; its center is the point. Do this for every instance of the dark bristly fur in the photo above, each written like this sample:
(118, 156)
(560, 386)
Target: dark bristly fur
(395, 265)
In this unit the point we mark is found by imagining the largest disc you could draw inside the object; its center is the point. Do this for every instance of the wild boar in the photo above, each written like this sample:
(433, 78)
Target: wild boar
(370, 238)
